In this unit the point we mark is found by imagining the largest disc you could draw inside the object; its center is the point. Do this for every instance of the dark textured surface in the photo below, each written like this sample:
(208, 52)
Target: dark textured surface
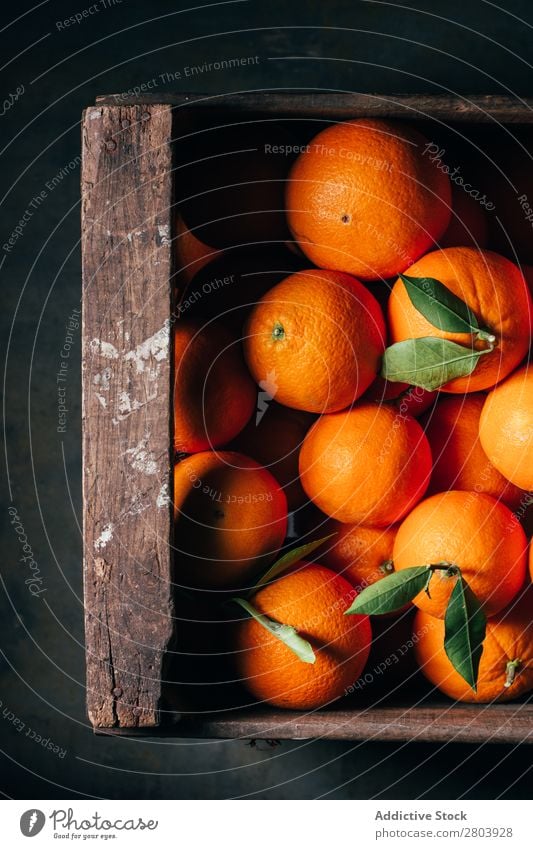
(358, 46)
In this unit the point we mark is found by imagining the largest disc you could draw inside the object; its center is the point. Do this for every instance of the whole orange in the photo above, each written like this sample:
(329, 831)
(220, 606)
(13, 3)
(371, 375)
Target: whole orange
(360, 553)
(312, 599)
(470, 530)
(506, 666)
(506, 428)
(273, 437)
(459, 461)
(214, 396)
(468, 226)
(369, 464)
(494, 288)
(230, 519)
(316, 340)
(363, 198)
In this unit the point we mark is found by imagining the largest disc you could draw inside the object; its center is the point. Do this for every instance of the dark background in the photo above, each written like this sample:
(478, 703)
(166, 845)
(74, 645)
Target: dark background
(459, 47)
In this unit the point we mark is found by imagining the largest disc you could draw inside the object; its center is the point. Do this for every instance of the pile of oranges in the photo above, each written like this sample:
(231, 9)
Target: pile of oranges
(351, 372)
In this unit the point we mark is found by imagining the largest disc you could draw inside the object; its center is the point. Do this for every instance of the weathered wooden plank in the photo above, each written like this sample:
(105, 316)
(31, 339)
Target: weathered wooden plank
(338, 105)
(508, 723)
(126, 200)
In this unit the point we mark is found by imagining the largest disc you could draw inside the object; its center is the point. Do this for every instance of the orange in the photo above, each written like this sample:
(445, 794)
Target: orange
(190, 252)
(370, 464)
(459, 461)
(506, 428)
(468, 226)
(507, 657)
(363, 198)
(214, 395)
(494, 288)
(230, 519)
(470, 530)
(317, 339)
(312, 599)
(360, 553)
(273, 437)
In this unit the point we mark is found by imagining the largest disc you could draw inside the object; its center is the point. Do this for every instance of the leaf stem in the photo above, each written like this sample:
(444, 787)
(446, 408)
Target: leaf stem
(510, 671)
(485, 335)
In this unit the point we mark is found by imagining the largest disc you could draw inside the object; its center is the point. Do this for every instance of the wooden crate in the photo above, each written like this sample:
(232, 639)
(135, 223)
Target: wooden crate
(127, 230)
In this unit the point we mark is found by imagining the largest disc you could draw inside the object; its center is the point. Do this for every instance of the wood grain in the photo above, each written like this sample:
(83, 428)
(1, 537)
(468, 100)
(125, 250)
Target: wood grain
(126, 255)
(341, 105)
(509, 723)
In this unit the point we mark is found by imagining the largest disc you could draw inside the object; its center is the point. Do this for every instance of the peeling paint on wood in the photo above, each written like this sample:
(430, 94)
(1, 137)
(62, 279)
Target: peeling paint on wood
(126, 411)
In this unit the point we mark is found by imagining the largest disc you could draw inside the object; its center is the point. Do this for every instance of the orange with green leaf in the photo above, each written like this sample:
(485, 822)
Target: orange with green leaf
(296, 649)
(460, 557)
(506, 661)
(459, 320)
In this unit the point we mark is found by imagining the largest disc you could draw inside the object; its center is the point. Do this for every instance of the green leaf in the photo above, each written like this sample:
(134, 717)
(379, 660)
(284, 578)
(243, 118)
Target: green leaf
(288, 560)
(465, 625)
(428, 362)
(391, 593)
(439, 305)
(286, 633)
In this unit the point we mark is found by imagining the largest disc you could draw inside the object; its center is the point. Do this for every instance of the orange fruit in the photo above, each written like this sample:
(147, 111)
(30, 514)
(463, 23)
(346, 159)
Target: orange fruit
(506, 665)
(214, 396)
(363, 198)
(459, 461)
(468, 226)
(506, 428)
(230, 519)
(470, 530)
(360, 553)
(312, 599)
(369, 465)
(190, 252)
(273, 437)
(494, 288)
(317, 339)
